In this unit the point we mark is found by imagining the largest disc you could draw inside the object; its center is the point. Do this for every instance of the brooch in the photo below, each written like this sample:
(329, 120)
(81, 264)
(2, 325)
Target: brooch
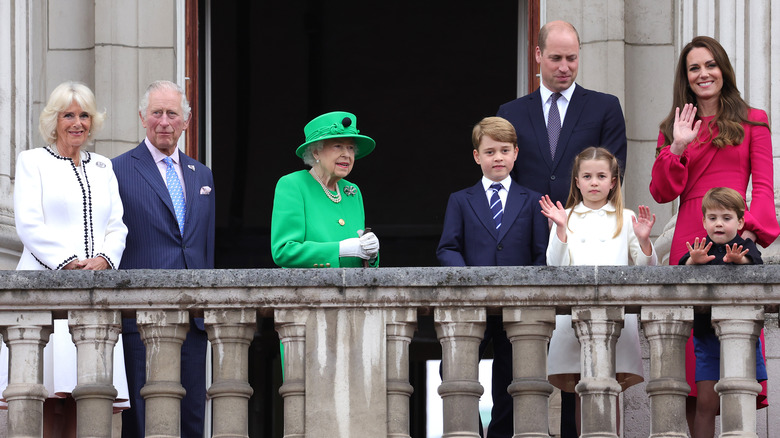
(100, 164)
(350, 190)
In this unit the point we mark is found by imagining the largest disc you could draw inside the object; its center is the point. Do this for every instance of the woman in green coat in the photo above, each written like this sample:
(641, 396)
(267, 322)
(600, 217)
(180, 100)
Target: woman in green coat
(318, 218)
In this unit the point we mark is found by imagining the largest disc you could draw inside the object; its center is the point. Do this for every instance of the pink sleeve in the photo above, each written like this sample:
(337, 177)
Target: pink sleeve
(761, 218)
(669, 175)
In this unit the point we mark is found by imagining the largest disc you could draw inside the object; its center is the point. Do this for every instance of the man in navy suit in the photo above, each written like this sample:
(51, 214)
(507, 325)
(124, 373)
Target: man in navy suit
(587, 118)
(496, 222)
(169, 212)
(580, 118)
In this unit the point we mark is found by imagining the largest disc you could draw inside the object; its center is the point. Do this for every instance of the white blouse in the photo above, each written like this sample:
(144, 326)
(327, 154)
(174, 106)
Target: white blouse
(590, 240)
(64, 212)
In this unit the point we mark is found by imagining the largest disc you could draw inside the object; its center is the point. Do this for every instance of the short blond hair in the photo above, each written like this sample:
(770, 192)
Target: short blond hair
(60, 99)
(497, 128)
(725, 198)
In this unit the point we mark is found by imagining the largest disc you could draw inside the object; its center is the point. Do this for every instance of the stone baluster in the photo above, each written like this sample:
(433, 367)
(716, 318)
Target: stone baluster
(25, 334)
(667, 329)
(230, 333)
(598, 329)
(401, 324)
(291, 326)
(95, 333)
(460, 331)
(529, 329)
(738, 328)
(163, 332)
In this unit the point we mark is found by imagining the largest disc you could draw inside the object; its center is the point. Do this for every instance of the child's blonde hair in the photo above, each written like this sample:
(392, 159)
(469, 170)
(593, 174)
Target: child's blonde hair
(615, 194)
(497, 128)
(723, 197)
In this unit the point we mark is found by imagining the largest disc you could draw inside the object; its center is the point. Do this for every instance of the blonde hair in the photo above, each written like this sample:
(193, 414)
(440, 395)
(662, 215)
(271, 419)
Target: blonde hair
(60, 99)
(497, 128)
(723, 197)
(615, 194)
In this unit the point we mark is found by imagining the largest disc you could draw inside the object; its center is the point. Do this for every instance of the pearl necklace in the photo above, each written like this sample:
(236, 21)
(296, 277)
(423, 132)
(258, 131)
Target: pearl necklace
(336, 199)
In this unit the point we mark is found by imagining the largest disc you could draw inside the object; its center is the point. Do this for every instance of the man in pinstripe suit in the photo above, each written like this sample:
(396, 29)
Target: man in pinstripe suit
(166, 232)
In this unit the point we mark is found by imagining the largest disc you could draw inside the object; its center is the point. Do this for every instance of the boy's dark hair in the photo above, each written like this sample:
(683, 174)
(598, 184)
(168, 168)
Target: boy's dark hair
(497, 128)
(723, 197)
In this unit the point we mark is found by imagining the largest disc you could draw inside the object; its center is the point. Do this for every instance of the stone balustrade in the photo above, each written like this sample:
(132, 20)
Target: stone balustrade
(346, 336)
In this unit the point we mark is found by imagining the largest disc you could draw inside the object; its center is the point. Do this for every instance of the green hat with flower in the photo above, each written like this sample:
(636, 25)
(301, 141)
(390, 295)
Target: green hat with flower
(338, 124)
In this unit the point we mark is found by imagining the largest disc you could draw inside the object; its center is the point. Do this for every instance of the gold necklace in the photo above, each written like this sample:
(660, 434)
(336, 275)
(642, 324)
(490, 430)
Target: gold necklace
(336, 198)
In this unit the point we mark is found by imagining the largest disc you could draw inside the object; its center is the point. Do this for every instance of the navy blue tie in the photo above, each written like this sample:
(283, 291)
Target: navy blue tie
(495, 204)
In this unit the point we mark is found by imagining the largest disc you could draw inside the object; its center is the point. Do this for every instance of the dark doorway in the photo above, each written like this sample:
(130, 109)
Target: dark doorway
(418, 75)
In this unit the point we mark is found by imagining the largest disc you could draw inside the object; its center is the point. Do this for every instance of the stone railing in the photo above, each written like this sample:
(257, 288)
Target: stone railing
(346, 335)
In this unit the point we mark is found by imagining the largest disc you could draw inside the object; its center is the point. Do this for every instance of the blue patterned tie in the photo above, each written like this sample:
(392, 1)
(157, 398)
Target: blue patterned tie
(495, 204)
(177, 194)
(554, 124)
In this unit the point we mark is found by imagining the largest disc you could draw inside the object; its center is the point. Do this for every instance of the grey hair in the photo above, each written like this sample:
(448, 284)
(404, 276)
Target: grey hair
(165, 85)
(60, 99)
(308, 154)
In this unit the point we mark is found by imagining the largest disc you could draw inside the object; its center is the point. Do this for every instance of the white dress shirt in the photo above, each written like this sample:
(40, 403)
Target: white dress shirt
(563, 101)
(163, 168)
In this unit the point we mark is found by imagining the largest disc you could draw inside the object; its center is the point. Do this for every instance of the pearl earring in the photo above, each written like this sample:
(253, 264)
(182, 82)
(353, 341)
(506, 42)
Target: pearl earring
(317, 160)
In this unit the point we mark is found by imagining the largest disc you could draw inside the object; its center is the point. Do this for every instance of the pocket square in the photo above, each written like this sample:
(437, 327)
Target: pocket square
(205, 190)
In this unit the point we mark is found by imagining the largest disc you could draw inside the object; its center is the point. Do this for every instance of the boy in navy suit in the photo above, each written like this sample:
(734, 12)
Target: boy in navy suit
(497, 222)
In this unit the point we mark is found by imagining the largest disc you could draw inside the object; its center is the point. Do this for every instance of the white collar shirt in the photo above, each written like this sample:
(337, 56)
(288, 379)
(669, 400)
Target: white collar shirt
(505, 184)
(563, 101)
(158, 158)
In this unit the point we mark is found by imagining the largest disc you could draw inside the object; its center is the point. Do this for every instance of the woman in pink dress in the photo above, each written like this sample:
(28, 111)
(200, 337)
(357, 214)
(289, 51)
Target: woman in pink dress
(712, 138)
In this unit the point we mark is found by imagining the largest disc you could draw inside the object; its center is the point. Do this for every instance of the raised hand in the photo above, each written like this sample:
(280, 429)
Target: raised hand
(554, 211)
(643, 224)
(685, 130)
(735, 254)
(699, 252)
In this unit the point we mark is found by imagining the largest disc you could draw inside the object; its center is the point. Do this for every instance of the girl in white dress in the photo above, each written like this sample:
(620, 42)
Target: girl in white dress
(594, 229)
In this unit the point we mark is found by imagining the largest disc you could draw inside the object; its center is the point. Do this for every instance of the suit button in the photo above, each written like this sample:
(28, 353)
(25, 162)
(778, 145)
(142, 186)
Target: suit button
(500, 247)
(552, 177)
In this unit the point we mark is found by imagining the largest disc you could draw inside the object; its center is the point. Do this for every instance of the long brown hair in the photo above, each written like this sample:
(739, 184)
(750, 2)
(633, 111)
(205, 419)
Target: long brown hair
(615, 195)
(732, 109)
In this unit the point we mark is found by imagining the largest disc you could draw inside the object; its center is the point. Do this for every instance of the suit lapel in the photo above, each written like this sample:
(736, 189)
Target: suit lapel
(188, 171)
(478, 201)
(516, 199)
(148, 170)
(536, 119)
(573, 112)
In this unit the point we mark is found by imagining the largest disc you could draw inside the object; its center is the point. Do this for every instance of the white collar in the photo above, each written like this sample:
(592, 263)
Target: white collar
(581, 208)
(505, 183)
(546, 93)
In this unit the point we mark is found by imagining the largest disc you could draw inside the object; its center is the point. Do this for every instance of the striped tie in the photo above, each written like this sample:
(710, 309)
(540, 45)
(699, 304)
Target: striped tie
(177, 194)
(495, 204)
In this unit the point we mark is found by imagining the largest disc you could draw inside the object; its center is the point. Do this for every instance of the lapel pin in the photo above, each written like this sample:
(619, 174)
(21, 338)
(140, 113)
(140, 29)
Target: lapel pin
(100, 164)
(192, 167)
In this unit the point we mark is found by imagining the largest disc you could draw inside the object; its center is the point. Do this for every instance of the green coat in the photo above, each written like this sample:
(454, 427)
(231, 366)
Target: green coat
(306, 226)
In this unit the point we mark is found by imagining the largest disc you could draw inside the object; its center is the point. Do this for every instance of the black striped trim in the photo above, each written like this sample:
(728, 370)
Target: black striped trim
(110, 263)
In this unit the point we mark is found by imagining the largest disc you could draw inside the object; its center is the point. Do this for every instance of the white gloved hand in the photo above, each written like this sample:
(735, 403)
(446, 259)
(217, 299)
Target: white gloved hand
(352, 248)
(370, 244)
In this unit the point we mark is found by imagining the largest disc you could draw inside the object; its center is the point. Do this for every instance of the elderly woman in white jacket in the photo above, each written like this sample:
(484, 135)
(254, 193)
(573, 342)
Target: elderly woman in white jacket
(68, 216)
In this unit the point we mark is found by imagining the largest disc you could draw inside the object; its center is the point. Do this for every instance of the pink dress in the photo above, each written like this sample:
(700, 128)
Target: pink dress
(703, 166)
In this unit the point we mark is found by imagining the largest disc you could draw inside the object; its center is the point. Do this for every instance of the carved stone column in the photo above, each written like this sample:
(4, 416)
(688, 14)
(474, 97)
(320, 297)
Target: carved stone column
(667, 329)
(230, 333)
(598, 329)
(460, 331)
(401, 324)
(529, 329)
(291, 326)
(25, 334)
(95, 333)
(738, 328)
(163, 332)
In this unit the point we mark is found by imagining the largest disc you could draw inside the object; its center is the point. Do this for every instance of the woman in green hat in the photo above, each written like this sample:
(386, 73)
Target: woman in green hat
(318, 219)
